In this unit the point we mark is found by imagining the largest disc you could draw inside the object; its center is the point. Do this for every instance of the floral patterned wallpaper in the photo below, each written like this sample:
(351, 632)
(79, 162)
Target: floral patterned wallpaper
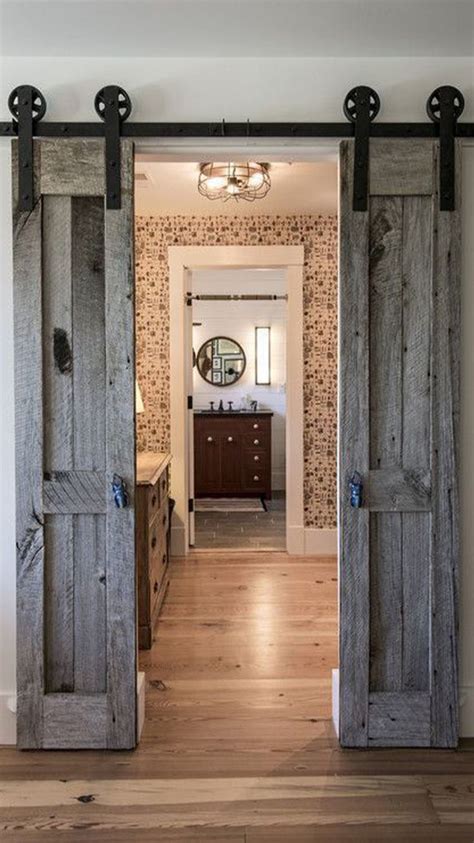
(318, 234)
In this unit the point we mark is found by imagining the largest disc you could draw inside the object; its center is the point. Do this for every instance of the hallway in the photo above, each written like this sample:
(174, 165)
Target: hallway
(238, 745)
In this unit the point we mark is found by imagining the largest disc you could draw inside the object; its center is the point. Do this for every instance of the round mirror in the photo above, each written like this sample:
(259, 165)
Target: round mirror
(221, 361)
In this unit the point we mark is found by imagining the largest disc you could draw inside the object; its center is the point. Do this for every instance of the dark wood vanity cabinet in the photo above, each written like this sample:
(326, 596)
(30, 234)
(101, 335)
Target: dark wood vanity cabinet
(232, 454)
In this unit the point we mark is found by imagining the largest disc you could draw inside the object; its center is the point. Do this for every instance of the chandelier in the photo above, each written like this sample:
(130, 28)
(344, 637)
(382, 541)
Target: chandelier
(248, 181)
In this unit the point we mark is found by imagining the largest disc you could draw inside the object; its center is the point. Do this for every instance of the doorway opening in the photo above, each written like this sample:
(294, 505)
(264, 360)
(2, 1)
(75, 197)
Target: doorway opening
(238, 436)
(273, 582)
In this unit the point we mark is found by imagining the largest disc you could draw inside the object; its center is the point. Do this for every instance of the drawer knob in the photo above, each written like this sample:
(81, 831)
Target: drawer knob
(256, 442)
(256, 458)
(210, 439)
(256, 477)
(155, 587)
(153, 542)
(230, 438)
(255, 427)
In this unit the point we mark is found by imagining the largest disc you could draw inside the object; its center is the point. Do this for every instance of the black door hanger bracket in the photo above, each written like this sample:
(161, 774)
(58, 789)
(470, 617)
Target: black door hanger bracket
(113, 105)
(27, 106)
(444, 107)
(361, 106)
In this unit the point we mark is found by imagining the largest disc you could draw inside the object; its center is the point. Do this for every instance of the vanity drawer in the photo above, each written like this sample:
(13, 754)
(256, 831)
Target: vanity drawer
(256, 458)
(256, 440)
(255, 480)
(256, 425)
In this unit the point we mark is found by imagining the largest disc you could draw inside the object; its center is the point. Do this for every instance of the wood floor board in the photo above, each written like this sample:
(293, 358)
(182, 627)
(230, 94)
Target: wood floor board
(238, 744)
(409, 833)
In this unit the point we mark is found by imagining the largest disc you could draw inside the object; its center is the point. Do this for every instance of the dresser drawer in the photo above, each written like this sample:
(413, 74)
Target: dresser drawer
(158, 570)
(157, 494)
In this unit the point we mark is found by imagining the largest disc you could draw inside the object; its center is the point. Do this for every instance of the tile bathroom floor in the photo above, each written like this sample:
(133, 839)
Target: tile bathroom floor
(244, 530)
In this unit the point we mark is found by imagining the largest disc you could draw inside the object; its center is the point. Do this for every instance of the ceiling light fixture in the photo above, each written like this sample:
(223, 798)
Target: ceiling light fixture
(248, 181)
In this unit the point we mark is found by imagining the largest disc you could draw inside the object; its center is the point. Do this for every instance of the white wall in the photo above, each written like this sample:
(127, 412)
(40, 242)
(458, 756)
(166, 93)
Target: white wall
(258, 89)
(238, 321)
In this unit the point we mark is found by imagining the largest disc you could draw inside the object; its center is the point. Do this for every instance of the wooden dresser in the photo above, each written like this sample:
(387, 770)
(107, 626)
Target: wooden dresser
(152, 518)
(233, 454)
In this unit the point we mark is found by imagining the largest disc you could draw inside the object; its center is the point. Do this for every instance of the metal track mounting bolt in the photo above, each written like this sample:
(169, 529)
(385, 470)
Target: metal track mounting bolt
(444, 106)
(113, 105)
(27, 106)
(361, 106)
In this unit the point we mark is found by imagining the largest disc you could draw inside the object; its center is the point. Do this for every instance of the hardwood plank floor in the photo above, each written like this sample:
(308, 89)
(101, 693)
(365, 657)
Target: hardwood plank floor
(238, 745)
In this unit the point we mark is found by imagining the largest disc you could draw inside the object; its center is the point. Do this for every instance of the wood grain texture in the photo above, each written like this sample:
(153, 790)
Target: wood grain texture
(75, 721)
(399, 490)
(90, 615)
(74, 167)
(410, 491)
(399, 719)
(385, 485)
(233, 758)
(27, 258)
(401, 168)
(353, 406)
(416, 444)
(71, 492)
(76, 603)
(120, 459)
(57, 367)
(445, 461)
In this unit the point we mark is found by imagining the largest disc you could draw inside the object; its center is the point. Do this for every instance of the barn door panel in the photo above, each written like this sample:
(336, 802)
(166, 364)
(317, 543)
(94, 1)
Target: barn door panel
(399, 406)
(74, 364)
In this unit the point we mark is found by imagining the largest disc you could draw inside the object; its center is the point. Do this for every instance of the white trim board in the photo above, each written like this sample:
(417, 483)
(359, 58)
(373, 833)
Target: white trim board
(181, 260)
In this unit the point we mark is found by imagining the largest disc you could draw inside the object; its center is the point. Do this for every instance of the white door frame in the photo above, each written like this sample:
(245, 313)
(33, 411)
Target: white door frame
(182, 259)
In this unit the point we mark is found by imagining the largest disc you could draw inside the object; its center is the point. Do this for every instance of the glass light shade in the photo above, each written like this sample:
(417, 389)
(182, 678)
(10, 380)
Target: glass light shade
(216, 182)
(262, 356)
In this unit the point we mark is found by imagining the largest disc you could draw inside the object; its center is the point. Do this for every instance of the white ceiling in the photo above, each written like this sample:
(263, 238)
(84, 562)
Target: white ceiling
(298, 188)
(262, 28)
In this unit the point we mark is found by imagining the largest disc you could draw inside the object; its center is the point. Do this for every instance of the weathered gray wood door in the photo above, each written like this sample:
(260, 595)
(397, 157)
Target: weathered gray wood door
(74, 381)
(399, 407)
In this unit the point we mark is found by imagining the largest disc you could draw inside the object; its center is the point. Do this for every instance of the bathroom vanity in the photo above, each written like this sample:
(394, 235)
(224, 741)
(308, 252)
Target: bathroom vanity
(233, 453)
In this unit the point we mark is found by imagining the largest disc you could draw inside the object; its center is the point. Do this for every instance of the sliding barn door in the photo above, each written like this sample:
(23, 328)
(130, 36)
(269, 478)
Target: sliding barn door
(74, 381)
(399, 408)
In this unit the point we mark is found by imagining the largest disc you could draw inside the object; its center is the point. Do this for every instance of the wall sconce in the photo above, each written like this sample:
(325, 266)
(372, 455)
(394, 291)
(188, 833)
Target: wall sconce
(262, 356)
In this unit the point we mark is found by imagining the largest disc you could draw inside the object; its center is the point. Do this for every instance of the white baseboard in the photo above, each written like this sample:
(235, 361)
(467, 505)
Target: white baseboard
(335, 700)
(320, 542)
(302, 541)
(140, 704)
(295, 540)
(8, 718)
(466, 709)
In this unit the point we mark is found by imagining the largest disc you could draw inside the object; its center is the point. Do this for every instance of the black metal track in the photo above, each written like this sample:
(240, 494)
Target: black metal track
(237, 130)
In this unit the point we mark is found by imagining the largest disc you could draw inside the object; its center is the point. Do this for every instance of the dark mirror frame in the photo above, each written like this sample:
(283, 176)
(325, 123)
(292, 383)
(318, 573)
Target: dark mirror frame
(211, 340)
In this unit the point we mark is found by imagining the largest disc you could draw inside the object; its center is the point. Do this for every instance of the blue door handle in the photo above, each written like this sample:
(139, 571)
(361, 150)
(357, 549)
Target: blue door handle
(356, 487)
(120, 492)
